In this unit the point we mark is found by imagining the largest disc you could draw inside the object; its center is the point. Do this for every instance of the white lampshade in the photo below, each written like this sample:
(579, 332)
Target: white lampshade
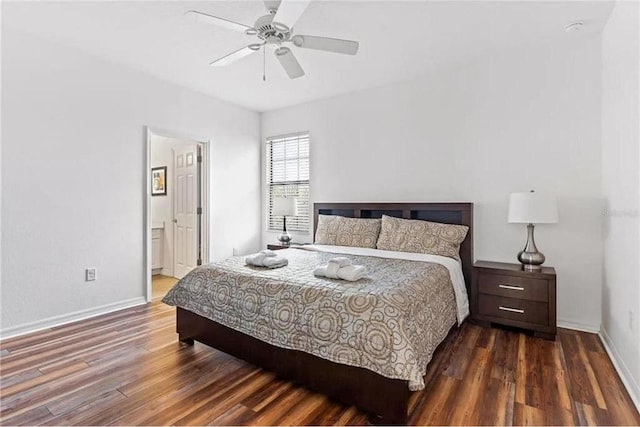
(534, 208)
(284, 206)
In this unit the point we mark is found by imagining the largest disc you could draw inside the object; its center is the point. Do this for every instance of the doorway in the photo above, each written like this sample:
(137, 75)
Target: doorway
(176, 228)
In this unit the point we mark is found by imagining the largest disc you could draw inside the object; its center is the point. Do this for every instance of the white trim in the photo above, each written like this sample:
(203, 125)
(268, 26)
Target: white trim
(146, 233)
(183, 136)
(623, 371)
(287, 135)
(173, 213)
(63, 319)
(582, 327)
(206, 200)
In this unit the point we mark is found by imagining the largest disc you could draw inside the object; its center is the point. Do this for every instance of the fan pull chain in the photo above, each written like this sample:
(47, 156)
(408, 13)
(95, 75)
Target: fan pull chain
(264, 64)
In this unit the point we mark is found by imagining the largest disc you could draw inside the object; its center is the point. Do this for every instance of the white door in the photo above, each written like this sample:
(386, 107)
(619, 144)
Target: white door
(185, 209)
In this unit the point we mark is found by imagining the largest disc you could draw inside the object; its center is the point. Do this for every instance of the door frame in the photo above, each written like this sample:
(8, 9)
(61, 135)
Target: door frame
(206, 203)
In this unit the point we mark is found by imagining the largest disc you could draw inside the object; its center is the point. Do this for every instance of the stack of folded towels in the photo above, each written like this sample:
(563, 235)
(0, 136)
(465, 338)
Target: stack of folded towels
(341, 268)
(266, 258)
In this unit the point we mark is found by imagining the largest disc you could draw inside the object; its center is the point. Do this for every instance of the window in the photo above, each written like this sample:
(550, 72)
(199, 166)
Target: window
(288, 175)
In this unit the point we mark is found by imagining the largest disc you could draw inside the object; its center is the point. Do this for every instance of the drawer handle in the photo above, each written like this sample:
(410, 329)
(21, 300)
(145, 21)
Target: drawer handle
(513, 310)
(513, 288)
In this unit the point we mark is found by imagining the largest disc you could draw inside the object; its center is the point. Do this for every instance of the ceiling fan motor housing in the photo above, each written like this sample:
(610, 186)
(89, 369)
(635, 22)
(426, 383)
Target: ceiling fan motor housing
(268, 32)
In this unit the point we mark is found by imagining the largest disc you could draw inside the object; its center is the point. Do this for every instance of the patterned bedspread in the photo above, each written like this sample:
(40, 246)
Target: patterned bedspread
(390, 322)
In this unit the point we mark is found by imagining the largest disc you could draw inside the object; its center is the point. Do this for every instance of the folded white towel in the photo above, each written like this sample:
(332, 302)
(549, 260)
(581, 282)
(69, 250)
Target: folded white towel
(350, 272)
(320, 271)
(266, 259)
(340, 260)
(275, 262)
(331, 270)
(268, 252)
(256, 259)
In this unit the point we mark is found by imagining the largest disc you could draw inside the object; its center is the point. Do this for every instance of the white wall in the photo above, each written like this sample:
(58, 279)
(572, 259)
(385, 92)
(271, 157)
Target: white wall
(73, 140)
(621, 189)
(520, 120)
(161, 206)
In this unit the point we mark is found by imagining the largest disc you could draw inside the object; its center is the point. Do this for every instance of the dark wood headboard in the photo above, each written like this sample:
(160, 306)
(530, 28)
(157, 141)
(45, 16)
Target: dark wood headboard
(448, 213)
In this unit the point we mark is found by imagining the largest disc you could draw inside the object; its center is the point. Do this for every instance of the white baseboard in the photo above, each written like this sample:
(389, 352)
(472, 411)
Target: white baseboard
(582, 327)
(623, 371)
(63, 319)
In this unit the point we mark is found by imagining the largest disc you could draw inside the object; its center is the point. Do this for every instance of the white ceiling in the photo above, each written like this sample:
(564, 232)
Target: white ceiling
(398, 40)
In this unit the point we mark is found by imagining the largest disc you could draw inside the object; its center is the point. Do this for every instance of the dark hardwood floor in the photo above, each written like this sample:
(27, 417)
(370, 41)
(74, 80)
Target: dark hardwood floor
(127, 368)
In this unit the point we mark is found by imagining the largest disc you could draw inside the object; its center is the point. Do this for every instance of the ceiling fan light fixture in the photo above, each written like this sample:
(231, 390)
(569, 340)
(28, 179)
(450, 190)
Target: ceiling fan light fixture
(255, 46)
(251, 32)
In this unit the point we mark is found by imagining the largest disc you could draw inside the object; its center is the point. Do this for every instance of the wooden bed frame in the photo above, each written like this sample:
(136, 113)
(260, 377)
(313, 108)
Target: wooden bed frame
(384, 398)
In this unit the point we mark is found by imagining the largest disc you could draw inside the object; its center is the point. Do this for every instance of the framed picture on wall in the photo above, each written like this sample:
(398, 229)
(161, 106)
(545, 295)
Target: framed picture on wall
(159, 181)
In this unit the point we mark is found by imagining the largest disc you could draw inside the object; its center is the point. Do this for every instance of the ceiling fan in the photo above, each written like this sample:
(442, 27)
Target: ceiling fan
(274, 30)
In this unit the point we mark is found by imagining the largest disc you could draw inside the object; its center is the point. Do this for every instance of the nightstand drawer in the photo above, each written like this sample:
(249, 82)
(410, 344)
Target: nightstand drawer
(514, 287)
(514, 309)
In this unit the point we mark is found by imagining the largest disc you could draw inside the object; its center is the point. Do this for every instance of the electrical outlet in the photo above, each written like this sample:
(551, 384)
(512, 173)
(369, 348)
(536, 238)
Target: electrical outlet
(631, 319)
(91, 274)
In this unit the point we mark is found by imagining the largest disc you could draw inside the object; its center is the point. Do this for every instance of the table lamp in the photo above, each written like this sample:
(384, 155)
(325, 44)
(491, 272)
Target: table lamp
(532, 208)
(284, 206)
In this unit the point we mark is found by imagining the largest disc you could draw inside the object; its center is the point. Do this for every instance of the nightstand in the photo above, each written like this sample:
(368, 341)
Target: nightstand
(503, 293)
(277, 247)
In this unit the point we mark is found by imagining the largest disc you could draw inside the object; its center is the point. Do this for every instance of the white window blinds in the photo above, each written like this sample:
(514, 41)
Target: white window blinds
(288, 176)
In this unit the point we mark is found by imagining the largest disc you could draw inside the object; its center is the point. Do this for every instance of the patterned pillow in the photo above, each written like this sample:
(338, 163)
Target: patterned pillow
(343, 231)
(424, 237)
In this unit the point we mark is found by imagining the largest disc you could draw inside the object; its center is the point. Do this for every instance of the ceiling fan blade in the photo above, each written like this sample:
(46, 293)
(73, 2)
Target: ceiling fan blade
(220, 22)
(234, 56)
(271, 4)
(289, 11)
(348, 47)
(289, 62)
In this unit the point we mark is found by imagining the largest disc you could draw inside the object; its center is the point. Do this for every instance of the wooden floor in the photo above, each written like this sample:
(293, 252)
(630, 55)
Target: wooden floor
(160, 285)
(128, 368)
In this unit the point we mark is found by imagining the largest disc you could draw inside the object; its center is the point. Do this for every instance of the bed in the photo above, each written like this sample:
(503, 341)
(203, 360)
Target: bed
(311, 330)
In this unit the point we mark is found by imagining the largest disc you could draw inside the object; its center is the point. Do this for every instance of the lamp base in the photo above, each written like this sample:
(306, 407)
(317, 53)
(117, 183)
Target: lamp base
(529, 257)
(530, 267)
(284, 238)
